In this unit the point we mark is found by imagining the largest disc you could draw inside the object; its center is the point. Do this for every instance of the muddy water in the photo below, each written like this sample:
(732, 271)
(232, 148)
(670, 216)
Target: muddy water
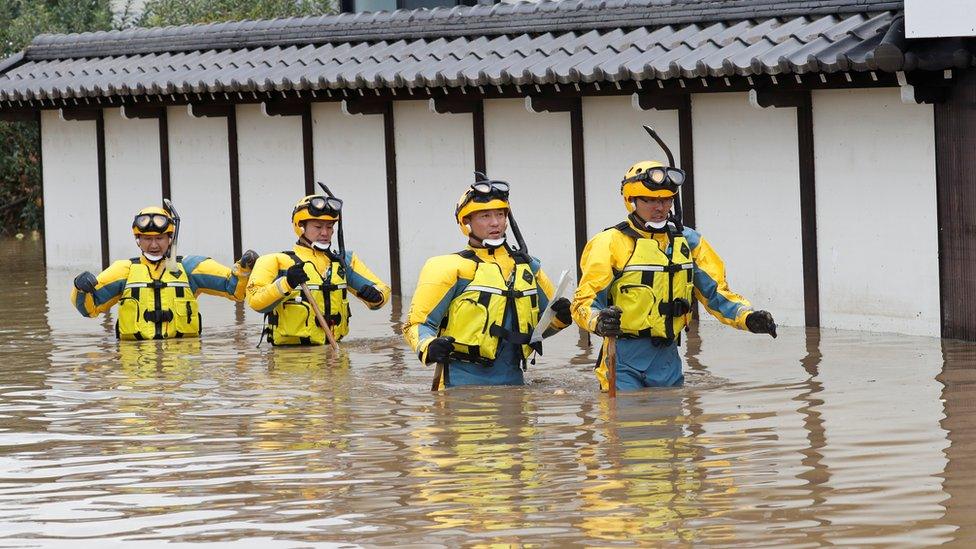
(816, 438)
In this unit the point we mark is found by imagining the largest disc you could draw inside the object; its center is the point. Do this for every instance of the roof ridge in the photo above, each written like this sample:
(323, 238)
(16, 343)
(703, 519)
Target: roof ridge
(458, 21)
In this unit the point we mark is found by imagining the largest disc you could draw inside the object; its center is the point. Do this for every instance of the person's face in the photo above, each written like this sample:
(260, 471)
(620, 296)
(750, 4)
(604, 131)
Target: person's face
(652, 209)
(488, 224)
(318, 230)
(153, 244)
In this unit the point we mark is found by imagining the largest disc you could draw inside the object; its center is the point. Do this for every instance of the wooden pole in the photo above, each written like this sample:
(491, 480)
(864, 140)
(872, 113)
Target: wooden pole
(612, 366)
(320, 318)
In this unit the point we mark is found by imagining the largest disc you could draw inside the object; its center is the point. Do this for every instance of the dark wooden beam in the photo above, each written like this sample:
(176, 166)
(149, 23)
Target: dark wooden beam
(808, 211)
(955, 176)
(540, 103)
(208, 110)
(283, 107)
(455, 105)
(392, 209)
(686, 161)
(308, 153)
(102, 185)
(777, 98)
(143, 111)
(40, 170)
(18, 116)
(365, 106)
(80, 114)
(579, 179)
(648, 100)
(235, 183)
(478, 126)
(164, 154)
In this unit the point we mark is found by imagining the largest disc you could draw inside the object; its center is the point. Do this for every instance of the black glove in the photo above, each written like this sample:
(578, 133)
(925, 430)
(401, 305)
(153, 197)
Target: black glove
(761, 322)
(561, 308)
(86, 282)
(608, 321)
(371, 294)
(296, 275)
(247, 260)
(440, 349)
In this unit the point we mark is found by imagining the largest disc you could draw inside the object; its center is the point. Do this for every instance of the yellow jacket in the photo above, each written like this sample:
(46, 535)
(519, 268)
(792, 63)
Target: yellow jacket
(608, 252)
(268, 286)
(205, 275)
(445, 277)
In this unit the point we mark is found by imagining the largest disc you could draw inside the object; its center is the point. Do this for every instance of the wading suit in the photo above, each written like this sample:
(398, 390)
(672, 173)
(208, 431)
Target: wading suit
(290, 319)
(155, 303)
(642, 272)
(489, 301)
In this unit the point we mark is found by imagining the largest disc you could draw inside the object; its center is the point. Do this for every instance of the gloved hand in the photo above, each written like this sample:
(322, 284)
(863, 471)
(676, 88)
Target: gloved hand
(371, 294)
(296, 275)
(608, 321)
(440, 349)
(86, 282)
(247, 260)
(561, 308)
(761, 322)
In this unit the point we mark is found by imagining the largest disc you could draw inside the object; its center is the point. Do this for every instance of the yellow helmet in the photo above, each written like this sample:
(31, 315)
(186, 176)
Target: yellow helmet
(483, 195)
(651, 179)
(152, 220)
(315, 206)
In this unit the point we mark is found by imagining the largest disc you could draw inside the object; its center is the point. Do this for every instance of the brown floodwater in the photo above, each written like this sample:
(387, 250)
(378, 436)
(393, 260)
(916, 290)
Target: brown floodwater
(820, 437)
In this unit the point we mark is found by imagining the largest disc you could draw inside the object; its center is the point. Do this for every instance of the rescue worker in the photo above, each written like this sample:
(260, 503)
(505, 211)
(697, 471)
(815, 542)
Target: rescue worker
(275, 285)
(474, 310)
(638, 279)
(156, 302)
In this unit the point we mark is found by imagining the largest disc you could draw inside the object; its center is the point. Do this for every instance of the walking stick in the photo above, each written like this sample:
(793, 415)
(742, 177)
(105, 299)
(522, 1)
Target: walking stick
(438, 374)
(320, 318)
(612, 366)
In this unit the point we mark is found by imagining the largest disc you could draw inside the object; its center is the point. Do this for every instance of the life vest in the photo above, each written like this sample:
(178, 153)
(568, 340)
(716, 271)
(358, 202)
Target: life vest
(157, 308)
(293, 321)
(476, 319)
(650, 285)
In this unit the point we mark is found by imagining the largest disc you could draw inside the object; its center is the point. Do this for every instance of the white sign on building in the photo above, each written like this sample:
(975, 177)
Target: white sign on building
(940, 18)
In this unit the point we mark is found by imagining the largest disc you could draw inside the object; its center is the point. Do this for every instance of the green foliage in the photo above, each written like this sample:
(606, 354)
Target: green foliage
(22, 20)
(180, 12)
(20, 174)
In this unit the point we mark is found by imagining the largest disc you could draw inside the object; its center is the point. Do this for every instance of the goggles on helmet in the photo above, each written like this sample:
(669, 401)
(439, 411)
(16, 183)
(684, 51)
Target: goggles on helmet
(658, 177)
(151, 223)
(485, 191)
(320, 205)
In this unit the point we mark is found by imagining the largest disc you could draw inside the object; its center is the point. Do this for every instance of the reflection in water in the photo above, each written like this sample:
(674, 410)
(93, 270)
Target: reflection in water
(816, 438)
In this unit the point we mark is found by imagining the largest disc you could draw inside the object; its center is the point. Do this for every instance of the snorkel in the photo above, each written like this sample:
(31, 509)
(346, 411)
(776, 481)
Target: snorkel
(676, 216)
(171, 264)
(341, 237)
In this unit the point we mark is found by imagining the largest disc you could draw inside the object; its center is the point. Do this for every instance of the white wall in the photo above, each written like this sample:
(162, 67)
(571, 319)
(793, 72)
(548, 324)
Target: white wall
(272, 177)
(613, 140)
(350, 158)
(72, 234)
(435, 164)
(876, 212)
(200, 184)
(533, 152)
(747, 199)
(133, 179)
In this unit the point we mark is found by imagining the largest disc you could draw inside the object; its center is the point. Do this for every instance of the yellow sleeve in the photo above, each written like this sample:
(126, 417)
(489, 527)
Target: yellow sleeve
(210, 277)
(265, 289)
(111, 282)
(711, 288)
(436, 288)
(597, 265)
(360, 276)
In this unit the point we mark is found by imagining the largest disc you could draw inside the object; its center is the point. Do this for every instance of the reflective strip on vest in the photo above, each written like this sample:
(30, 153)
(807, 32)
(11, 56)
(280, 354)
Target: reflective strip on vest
(486, 289)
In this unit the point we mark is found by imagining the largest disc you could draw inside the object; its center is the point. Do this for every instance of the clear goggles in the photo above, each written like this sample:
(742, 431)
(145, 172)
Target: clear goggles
(151, 223)
(322, 205)
(658, 177)
(483, 191)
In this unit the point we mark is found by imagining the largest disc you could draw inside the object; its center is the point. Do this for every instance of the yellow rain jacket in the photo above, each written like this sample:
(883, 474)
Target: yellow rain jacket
(291, 320)
(470, 296)
(155, 303)
(606, 279)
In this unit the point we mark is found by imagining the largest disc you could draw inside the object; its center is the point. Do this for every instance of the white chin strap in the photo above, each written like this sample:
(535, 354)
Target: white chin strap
(493, 242)
(659, 225)
(151, 257)
(320, 245)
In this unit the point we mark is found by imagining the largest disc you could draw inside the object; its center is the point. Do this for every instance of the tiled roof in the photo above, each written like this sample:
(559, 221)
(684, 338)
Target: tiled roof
(572, 41)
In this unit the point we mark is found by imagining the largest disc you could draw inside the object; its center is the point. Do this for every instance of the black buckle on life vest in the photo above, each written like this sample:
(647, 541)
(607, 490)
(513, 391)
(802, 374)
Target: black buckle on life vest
(517, 338)
(675, 308)
(158, 316)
